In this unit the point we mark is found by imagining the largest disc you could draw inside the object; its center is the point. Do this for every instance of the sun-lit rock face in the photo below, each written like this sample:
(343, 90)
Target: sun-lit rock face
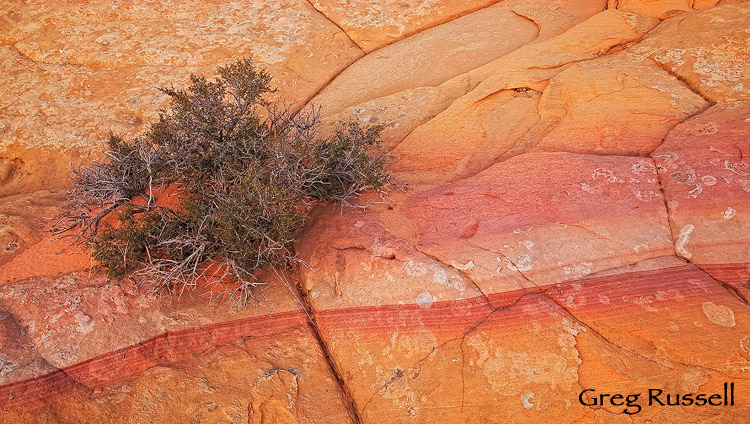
(73, 72)
(571, 213)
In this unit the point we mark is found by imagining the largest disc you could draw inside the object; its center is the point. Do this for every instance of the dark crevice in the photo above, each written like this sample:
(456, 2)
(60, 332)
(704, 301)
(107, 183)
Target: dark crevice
(666, 209)
(461, 272)
(327, 354)
(536, 24)
(337, 26)
(515, 266)
(683, 80)
(728, 287)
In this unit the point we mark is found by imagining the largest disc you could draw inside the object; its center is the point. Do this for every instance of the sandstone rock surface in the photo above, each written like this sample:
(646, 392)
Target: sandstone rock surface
(374, 24)
(572, 214)
(74, 72)
(705, 173)
(709, 50)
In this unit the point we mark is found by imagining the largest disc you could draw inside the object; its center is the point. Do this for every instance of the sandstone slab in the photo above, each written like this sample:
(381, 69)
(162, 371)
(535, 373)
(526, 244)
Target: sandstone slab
(616, 105)
(662, 9)
(374, 24)
(465, 43)
(74, 72)
(405, 110)
(278, 378)
(541, 217)
(505, 109)
(707, 49)
(706, 179)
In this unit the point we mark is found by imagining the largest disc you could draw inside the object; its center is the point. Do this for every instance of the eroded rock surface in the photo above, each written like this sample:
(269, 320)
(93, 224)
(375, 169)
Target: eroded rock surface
(571, 215)
(74, 72)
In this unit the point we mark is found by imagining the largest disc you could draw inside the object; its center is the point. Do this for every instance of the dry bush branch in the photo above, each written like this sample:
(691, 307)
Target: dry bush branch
(244, 184)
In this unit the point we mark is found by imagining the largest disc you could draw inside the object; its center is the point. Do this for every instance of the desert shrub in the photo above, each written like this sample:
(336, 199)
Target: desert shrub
(243, 172)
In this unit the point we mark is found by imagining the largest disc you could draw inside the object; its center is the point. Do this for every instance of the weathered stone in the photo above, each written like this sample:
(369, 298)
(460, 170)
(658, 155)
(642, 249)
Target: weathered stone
(706, 178)
(419, 102)
(709, 50)
(429, 58)
(374, 24)
(508, 277)
(542, 216)
(662, 9)
(27, 248)
(506, 109)
(615, 105)
(73, 73)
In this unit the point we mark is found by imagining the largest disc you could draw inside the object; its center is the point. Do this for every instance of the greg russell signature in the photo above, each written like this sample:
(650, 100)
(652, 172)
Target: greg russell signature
(633, 403)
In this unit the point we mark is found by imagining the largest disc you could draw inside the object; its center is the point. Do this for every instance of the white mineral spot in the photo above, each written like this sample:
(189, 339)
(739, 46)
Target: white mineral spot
(439, 275)
(719, 315)
(696, 191)
(643, 196)
(525, 400)
(521, 264)
(667, 157)
(85, 322)
(579, 269)
(314, 294)
(424, 300)
(603, 299)
(640, 167)
(682, 241)
(526, 243)
(359, 224)
(468, 266)
(708, 180)
(729, 213)
(604, 174)
(745, 344)
(414, 269)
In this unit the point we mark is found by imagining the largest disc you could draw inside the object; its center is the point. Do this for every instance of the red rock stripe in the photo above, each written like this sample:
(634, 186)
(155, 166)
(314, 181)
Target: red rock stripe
(685, 284)
(164, 348)
(738, 275)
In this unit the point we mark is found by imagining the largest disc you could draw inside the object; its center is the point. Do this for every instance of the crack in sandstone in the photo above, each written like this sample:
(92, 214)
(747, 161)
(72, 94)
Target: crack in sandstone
(320, 12)
(461, 272)
(434, 25)
(399, 374)
(306, 102)
(597, 235)
(348, 399)
(728, 287)
(679, 78)
(669, 213)
(515, 266)
(536, 24)
(623, 268)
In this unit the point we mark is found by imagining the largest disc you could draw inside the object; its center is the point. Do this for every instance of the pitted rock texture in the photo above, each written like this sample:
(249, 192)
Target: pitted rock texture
(374, 24)
(73, 72)
(571, 213)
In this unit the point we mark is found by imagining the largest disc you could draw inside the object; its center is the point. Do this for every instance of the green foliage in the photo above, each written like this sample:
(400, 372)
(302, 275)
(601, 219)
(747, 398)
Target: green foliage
(244, 172)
